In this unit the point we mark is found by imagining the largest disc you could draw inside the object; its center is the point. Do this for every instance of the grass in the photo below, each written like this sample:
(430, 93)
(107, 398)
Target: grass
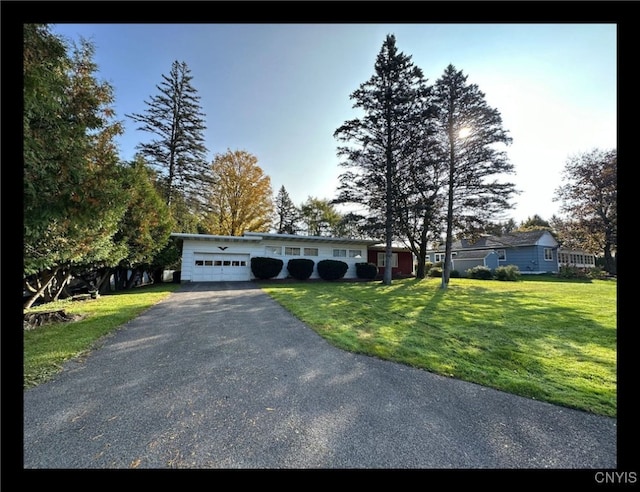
(46, 349)
(541, 338)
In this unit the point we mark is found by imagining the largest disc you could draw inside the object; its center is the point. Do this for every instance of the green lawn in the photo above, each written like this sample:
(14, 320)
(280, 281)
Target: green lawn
(542, 338)
(539, 337)
(46, 349)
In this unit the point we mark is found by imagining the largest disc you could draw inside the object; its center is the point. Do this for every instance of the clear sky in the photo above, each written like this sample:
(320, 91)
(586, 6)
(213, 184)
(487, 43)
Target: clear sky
(279, 91)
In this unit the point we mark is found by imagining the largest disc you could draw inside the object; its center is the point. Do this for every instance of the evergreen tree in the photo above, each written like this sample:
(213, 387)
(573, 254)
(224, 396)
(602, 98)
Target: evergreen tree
(384, 139)
(178, 153)
(469, 131)
(71, 205)
(287, 214)
(146, 225)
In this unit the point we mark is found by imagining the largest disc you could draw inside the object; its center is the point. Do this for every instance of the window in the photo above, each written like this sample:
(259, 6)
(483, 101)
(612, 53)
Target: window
(273, 250)
(548, 254)
(438, 257)
(311, 251)
(199, 263)
(208, 262)
(502, 254)
(355, 253)
(340, 253)
(382, 258)
(289, 251)
(217, 263)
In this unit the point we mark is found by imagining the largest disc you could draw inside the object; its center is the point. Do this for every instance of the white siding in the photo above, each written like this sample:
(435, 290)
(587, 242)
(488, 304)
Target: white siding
(191, 250)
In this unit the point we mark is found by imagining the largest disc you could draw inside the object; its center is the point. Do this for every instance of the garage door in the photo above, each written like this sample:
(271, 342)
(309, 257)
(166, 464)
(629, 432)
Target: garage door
(219, 267)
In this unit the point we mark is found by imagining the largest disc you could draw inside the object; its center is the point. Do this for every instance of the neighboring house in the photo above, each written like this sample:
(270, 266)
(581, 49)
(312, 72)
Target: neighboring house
(402, 260)
(209, 258)
(533, 252)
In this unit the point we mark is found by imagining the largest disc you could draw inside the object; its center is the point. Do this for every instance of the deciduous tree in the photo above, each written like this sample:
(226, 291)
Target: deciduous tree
(588, 197)
(241, 197)
(320, 217)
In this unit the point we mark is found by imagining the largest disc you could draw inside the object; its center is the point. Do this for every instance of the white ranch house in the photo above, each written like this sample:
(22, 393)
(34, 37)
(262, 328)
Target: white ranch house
(212, 258)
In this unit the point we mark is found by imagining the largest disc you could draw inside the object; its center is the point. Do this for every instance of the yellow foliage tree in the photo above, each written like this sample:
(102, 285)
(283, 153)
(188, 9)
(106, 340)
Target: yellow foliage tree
(241, 198)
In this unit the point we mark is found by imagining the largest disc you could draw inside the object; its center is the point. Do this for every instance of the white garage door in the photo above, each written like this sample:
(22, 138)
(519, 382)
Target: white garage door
(218, 267)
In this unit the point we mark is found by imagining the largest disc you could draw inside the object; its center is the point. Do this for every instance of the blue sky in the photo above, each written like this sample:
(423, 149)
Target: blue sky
(279, 91)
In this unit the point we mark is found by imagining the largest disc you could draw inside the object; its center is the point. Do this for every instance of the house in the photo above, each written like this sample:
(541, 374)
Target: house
(403, 260)
(533, 252)
(211, 258)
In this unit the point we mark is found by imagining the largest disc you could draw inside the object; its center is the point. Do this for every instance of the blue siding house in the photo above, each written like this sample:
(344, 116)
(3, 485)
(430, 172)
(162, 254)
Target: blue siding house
(533, 252)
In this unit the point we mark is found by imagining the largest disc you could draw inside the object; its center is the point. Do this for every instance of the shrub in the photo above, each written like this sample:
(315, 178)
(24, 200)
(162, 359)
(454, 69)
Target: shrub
(332, 269)
(435, 271)
(480, 272)
(454, 274)
(264, 267)
(570, 271)
(596, 272)
(428, 265)
(366, 270)
(300, 268)
(507, 272)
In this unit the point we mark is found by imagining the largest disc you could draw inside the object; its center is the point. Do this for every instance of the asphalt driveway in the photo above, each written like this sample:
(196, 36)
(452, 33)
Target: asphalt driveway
(218, 375)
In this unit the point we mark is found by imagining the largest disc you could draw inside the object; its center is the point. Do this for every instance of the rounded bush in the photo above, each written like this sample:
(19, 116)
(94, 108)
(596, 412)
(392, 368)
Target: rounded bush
(300, 268)
(480, 272)
(264, 267)
(507, 273)
(435, 271)
(366, 270)
(332, 269)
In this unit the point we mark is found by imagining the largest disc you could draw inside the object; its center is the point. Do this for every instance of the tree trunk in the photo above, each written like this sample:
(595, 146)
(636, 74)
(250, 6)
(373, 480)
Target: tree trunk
(41, 290)
(63, 278)
(609, 263)
(103, 282)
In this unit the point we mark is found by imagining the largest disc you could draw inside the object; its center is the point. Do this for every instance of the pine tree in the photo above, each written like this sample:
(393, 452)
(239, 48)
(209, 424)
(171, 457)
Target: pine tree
(384, 138)
(469, 130)
(178, 153)
(287, 214)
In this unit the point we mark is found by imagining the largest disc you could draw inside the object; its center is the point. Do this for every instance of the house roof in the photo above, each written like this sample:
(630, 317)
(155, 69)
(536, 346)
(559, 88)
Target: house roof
(472, 255)
(395, 246)
(511, 240)
(255, 237)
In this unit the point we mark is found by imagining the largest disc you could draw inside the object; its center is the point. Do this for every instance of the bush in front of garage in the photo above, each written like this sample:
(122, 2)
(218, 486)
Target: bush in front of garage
(263, 267)
(332, 269)
(300, 268)
(366, 270)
